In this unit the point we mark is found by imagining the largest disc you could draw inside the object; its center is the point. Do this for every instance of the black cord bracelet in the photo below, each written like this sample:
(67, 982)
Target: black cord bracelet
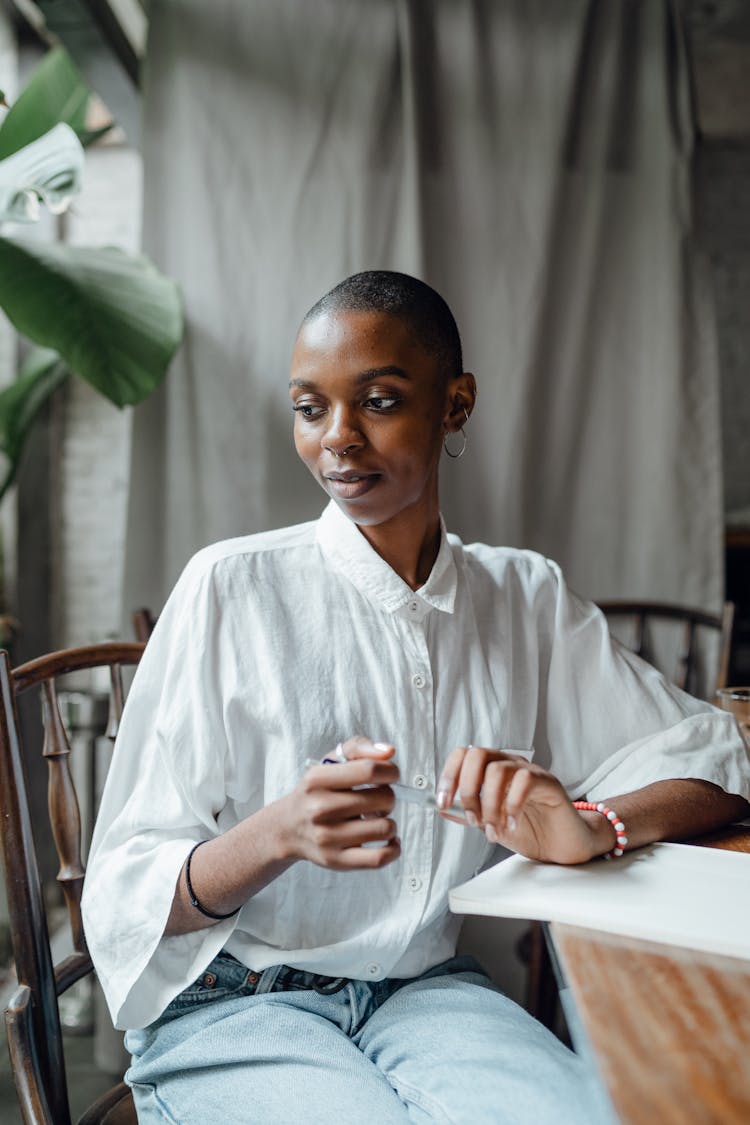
(191, 893)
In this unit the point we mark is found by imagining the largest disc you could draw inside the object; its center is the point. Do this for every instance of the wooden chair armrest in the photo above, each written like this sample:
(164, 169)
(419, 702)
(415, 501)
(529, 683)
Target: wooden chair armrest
(116, 1107)
(24, 1062)
(72, 969)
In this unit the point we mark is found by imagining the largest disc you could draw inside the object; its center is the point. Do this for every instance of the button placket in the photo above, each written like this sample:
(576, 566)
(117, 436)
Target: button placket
(417, 644)
(417, 825)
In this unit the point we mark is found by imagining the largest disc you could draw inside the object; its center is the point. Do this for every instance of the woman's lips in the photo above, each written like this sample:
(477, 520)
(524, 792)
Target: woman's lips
(351, 484)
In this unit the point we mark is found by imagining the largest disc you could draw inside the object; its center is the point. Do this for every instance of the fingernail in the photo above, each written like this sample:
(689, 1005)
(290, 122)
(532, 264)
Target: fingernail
(491, 834)
(442, 798)
(381, 745)
(472, 820)
(510, 822)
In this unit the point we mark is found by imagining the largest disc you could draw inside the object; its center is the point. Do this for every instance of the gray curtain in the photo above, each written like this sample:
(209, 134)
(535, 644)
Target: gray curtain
(531, 160)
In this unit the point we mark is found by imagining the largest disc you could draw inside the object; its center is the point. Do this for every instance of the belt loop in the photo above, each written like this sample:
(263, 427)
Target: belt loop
(268, 979)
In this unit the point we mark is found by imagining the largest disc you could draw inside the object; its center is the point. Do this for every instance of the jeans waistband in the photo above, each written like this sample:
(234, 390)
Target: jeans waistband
(227, 973)
(227, 978)
(288, 979)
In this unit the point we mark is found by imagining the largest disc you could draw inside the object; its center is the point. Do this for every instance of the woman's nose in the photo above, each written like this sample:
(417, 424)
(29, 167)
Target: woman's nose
(341, 434)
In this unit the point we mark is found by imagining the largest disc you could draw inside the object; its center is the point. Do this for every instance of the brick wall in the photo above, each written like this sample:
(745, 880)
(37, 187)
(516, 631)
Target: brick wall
(89, 509)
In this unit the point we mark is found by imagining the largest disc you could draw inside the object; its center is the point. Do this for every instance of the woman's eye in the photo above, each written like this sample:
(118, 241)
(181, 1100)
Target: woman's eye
(307, 409)
(381, 402)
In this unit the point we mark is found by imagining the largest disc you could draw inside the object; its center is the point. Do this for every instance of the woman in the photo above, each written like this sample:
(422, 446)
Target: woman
(271, 931)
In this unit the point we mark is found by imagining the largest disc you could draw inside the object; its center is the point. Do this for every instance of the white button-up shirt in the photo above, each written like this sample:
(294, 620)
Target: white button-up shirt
(275, 647)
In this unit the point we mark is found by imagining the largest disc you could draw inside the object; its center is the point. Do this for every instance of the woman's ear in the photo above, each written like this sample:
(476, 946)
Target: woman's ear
(460, 400)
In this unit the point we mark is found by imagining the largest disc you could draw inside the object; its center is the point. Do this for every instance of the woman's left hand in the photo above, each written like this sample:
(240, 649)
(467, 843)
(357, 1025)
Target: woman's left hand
(520, 805)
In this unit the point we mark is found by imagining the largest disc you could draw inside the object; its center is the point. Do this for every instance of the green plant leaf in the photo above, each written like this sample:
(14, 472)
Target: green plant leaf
(40, 376)
(112, 316)
(55, 93)
(89, 137)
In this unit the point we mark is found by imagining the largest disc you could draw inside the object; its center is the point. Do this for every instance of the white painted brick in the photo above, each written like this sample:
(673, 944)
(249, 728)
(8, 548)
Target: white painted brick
(92, 491)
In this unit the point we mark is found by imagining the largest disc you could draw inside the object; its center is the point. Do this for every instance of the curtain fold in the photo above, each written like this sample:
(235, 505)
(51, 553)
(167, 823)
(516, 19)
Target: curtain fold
(532, 162)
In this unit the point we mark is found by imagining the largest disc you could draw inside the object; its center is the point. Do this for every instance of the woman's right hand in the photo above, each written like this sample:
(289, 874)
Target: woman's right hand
(327, 818)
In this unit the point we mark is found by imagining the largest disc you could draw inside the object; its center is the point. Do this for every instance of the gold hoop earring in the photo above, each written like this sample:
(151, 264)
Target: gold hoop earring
(462, 450)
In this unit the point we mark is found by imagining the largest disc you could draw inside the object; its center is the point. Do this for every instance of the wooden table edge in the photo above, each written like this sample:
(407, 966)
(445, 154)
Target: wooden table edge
(668, 1027)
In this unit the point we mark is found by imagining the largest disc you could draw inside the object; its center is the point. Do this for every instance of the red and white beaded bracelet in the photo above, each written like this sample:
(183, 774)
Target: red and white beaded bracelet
(613, 818)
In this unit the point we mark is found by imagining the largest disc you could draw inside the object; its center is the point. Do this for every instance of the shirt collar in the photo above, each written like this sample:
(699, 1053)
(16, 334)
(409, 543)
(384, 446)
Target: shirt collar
(346, 548)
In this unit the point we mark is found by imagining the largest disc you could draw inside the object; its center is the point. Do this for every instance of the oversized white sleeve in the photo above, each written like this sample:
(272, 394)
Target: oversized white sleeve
(609, 723)
(163, 793)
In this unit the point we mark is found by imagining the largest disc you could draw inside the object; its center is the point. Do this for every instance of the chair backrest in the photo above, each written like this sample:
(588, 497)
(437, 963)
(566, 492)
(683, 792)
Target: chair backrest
(143, 623)
(686, 674)
(32, 1017)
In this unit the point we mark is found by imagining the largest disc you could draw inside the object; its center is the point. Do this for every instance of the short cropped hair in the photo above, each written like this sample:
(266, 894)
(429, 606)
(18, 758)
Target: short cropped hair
(420, 307)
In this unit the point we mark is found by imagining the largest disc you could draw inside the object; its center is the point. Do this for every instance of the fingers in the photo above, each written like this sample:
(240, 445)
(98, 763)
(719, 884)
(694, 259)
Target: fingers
(448, 781)
(350, 775)
(357, 833)
(358, 761)
(496, 783)
(464, 774)
(369, 842)
(342, 808)
(357, 859)
(329, 806)
(493, 786)
(359, 746)
(521, 784)
(506, 787)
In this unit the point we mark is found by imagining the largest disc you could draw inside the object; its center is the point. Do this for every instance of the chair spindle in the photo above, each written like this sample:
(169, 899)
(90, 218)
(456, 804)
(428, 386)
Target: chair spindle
(116, 699)
(686, 656)
(64, 811)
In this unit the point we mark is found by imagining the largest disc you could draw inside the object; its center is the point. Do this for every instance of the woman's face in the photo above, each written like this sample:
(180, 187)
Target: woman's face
(370, 412)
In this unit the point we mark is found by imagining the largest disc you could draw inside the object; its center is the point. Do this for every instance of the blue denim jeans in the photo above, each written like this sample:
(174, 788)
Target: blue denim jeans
(282, 1046)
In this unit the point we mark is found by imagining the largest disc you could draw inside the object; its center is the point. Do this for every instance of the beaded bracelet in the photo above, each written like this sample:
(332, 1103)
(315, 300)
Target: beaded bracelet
(191, 893)
(614, 820)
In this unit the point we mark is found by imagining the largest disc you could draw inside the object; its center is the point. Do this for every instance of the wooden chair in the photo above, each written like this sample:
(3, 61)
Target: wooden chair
(685, 674)
(541, 989)
(32, 1016)
(143, 624)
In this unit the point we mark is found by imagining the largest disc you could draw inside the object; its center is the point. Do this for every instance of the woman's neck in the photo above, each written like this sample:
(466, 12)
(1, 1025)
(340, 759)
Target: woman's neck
(410, 550)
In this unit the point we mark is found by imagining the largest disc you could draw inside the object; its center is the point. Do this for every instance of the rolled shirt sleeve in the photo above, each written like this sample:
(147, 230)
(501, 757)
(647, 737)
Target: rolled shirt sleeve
(612, 723)
(164, 792)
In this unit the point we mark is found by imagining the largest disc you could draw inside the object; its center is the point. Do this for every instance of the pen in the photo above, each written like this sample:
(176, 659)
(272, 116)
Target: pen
(426, 799)
(407, 793)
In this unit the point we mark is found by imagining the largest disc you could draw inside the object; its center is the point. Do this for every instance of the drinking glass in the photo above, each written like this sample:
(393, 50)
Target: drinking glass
(736, 700)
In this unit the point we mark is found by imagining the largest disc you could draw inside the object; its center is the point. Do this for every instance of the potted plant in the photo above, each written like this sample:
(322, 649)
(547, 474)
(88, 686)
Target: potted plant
(97, 313)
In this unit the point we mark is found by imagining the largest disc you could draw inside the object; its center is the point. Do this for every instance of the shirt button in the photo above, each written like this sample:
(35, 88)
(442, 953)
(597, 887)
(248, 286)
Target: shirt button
(418, 680)
(414, 882)
(373, 969)
(414, 607)
(420, 781)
